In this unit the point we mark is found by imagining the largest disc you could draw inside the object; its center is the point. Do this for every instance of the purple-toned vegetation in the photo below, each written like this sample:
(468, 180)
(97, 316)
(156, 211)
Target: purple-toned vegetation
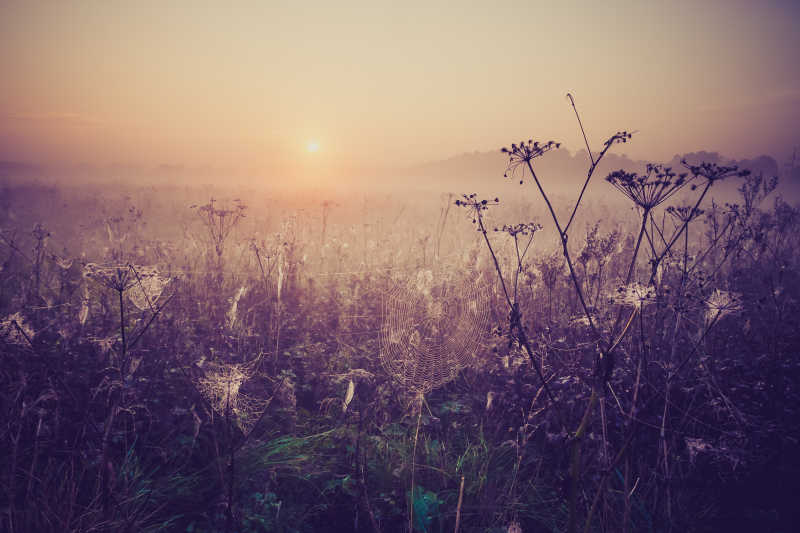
(171, 361)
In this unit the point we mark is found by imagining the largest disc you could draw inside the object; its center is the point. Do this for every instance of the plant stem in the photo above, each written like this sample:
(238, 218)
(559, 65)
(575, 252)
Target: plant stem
(413, 460)
(585, 140)
(122, 331)
(458, 508)
(575, 461)
(563, 237)
(632, 266)
(515, 319)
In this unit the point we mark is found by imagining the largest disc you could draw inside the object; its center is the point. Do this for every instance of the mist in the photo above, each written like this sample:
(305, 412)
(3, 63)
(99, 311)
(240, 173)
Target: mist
(406, 268)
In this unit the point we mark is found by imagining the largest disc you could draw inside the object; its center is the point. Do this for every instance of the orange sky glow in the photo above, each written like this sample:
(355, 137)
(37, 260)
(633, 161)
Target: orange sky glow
(251, 85)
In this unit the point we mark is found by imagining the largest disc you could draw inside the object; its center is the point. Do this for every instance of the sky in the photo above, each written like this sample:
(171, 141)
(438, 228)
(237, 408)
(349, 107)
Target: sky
(251, 85)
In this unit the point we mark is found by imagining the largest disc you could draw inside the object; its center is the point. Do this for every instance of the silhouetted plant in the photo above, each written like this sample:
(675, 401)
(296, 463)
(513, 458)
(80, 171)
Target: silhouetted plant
(520, 157)
(220, 222)
(476, 208)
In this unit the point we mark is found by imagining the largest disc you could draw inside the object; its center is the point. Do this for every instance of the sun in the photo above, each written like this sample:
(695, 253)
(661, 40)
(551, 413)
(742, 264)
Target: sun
(312, 146)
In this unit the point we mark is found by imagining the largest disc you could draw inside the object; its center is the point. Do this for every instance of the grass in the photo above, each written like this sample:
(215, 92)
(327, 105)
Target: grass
(104, 430)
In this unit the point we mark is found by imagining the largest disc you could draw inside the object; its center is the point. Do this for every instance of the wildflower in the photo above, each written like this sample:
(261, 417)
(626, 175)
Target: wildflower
(684, 213)
(636, 294)
(523, 153)
(116, 277)
(720, 304)
(650, 189)
(712, 172)
(471, 202)
(523, 228)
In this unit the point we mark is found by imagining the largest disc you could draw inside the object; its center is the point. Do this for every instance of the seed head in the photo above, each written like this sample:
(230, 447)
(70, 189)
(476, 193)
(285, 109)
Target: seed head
(722, 303)
(650, 189)
(520, 155)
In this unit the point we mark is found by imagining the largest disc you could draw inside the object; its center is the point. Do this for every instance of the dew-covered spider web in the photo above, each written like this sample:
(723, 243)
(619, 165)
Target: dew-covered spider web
(222, 383)
(432, 326)
(148, 288)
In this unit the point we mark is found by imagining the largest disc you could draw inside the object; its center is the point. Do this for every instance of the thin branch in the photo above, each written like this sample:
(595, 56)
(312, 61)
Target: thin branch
(585, 140)
(615, 138)
(572, 272)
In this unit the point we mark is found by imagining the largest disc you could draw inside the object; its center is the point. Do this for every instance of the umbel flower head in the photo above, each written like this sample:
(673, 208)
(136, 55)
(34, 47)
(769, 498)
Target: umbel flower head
(117, 277)
(684, 213)
(523, 229)
(712, 172)
(650, 189)
(636, 294)
(143, 285)
(722, 303)
(476, 205)
(523, 153)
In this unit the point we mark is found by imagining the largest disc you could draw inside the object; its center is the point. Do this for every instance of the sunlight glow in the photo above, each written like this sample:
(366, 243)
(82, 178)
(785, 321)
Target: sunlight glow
(313, 146)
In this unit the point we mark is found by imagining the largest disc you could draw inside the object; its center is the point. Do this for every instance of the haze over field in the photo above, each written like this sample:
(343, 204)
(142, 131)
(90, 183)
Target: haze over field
(316, 92)
(264, 266)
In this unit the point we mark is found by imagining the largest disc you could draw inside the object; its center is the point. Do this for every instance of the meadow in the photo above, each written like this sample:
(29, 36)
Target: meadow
(201, 359)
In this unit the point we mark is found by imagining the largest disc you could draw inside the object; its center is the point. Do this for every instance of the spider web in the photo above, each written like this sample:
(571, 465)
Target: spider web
(222, 386)
(432, 326)
(148, 288)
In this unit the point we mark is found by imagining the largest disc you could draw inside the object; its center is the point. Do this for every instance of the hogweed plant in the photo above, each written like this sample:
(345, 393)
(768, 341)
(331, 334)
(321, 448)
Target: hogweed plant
(41, 234)
(476, 208)
(661, 243)
(648, 192)
(521, 158)
(220, 222)
(551, 269)
(597, 252)
(149, 286)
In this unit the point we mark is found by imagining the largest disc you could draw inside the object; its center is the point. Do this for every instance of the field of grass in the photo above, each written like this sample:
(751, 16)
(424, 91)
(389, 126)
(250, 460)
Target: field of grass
(173, 362)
